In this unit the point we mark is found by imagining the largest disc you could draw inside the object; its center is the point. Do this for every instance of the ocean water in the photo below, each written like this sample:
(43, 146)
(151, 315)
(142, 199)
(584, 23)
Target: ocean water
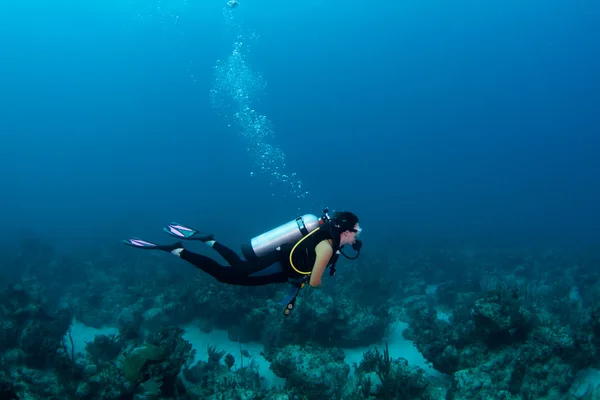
(465, 135)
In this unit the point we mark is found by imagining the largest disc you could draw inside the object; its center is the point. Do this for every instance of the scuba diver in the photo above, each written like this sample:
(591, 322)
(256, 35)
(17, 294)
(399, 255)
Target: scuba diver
(297, 252)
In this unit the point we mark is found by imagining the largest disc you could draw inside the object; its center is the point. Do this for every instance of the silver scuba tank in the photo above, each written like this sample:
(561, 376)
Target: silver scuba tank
(288, 233)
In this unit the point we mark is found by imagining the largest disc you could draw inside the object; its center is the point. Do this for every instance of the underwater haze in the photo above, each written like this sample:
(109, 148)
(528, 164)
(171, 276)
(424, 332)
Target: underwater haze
(463, 134)
(425, 118)
(446, 119)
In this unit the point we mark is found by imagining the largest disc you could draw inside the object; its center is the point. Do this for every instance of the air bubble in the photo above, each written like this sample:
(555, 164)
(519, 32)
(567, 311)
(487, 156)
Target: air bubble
(235, 92)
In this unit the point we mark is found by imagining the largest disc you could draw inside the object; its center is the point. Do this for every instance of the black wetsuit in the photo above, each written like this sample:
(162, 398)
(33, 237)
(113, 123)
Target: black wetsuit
(273, 268)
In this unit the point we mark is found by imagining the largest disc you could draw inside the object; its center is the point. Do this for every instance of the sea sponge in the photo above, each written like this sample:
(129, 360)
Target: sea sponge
(135, 361)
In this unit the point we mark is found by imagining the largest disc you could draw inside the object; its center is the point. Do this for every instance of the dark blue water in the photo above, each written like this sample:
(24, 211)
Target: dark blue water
(475, 120)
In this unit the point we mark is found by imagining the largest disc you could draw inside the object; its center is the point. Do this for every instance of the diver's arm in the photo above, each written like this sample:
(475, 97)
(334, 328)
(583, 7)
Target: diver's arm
(324, 252)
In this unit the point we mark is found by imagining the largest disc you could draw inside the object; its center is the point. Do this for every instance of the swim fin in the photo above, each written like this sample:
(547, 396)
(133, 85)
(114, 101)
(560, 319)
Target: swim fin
(185, 232)
(143, 244)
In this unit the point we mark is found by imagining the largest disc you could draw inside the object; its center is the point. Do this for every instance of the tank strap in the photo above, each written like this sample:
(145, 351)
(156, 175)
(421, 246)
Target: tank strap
(301, 226)
(336, 256)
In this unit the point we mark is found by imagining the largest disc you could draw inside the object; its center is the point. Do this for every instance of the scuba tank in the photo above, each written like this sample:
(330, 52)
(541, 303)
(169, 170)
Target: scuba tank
(288, 233)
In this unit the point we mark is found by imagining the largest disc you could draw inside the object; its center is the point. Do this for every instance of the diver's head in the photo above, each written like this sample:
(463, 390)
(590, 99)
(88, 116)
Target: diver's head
(346, 224)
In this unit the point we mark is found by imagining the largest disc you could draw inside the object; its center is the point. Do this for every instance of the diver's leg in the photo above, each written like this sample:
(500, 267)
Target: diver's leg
(239, 272)
(206, 264)
(243, 273)
(189, 233)
(229, 255)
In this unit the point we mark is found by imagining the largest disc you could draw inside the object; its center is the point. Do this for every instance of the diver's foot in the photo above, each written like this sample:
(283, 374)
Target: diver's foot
(174, 248)
(185, 232)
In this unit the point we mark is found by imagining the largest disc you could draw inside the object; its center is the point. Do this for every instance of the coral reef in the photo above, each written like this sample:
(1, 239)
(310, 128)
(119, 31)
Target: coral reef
(497, 323)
